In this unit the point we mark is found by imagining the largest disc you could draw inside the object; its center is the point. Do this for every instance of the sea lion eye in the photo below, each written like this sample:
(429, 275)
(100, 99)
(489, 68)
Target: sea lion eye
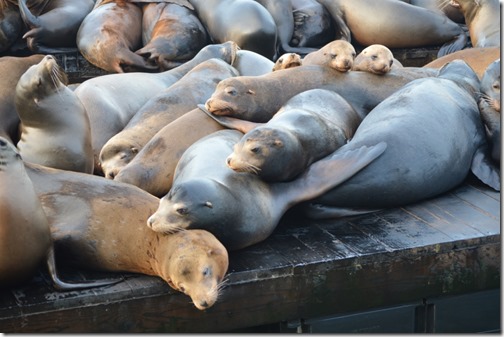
(496, 85)
(374, 57)
(254, 150)
(182, 211)
(230, 91)
(206, 271)
(333, 56)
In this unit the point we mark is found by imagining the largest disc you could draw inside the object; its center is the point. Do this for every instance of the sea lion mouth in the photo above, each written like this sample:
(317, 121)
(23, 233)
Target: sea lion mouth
(56, 73)
(218, 108)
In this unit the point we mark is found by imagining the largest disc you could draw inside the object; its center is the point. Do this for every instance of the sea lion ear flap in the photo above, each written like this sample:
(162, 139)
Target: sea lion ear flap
(214, 251)
(208, 204)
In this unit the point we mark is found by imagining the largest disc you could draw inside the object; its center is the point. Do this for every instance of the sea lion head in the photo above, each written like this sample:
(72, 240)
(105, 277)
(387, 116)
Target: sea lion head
(287, 60)
(462, 74)
(232, 97)
(339, 55)
(376, 59)
(114, 156)
(197, 267)
(490, 85)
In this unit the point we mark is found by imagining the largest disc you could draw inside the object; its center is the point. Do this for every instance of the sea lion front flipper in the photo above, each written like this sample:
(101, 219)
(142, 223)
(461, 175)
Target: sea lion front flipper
(241, 125)
(456, 44)
(343, 28)
(61, 285)
(329, 172)
(485, 169)
(320, 211)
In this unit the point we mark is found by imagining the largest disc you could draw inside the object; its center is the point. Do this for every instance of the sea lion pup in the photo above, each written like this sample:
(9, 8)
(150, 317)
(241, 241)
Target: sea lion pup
(57, 26)
(246, 22)
(11, 25)
(239, 208)
(482, 18)
(171, 34)
(309, 126)
(257, 98)
(25, 236)
(287, 60)
(394, 24)
(193, 88)
(55, 128)
(109, 35)
(112, 100)
(434, 137)
(376, 59)
(337, 54)
(153, 167)
(99, 224)
(313, 26)
(11, 68)
(490, 107)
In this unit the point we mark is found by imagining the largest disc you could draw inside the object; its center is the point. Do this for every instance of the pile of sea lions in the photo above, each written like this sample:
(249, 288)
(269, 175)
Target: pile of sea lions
(206, 133)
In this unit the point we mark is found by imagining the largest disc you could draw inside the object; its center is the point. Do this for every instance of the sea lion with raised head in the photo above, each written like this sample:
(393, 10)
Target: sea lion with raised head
(99, 224)
(239, 208)
(55, 127)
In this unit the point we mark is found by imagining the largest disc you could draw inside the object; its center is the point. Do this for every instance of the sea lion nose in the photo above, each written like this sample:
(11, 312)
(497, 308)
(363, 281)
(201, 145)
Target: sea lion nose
(150, 221)
(3, 142)
(204, 304)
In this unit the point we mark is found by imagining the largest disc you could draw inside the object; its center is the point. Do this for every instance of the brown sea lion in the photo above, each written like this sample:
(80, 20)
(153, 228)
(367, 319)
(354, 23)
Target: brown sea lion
(55, 128)
(337, 54)
(313, 26)
(257, 98)
(245, 22)
(109, 35)
(99, 223)
(193, 88)
(11, 68)
(490, 107)
(394, 24)
(482, 17)
(477, 58)
(309, 126)
(171, 34)
(58, 24)
(376, 59)
(111, 100)
(287, 60)
(239, 208)
(152, 168)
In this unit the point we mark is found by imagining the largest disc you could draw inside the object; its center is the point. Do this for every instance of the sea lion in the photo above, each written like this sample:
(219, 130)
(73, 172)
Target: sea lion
(100, 224)
(153, 167)
(11, 68)
(239, 208)
(111, 100)
(490, 107)
(257, 98)
(108, 36)
(370, 22)
(55, 127)
(313, 26)
(245, 22)
(376, 59)
(171, 34)
(249, 63)
(11, 25)
(482, 18)
(25, 236)
(434, 138)
(309, 126)
(193, 88)
(57, 26)
(337, 54)
(287, 60)
(477, 58)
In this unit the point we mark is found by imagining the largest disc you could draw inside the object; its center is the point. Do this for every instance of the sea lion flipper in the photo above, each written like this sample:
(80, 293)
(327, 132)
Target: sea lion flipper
(456, 44)
(483, 168)
(343, 28)
(229, 122)
(61, 285)
(320, 211)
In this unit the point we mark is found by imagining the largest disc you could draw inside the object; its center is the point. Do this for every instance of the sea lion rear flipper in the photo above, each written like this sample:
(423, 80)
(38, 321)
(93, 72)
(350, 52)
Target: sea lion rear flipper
(485, 169)
(343, 28)
(456, 44)
(229, 122)
(329, 172)
(61, 285)
(134, 62)
(320, 211)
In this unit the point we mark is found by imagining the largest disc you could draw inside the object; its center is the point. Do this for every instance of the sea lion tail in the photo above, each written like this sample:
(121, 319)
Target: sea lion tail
(331, 171)
(458, 43)
(62, 285)
(485, 169)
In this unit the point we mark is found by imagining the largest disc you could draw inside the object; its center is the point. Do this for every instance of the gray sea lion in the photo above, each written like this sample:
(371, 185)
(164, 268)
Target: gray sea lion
(171, 34)
(337, 54)
(11, 68)
(58, 24)
(193, 88)
(111, 100)
(249, 63)
(308, 127)
(109, 35)
(313, 26)
(434, 138)
(99, 224)
(55, 127)
(394, 24)
(153, 167)
(239, 208)
(490, 107)
(245, 22)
